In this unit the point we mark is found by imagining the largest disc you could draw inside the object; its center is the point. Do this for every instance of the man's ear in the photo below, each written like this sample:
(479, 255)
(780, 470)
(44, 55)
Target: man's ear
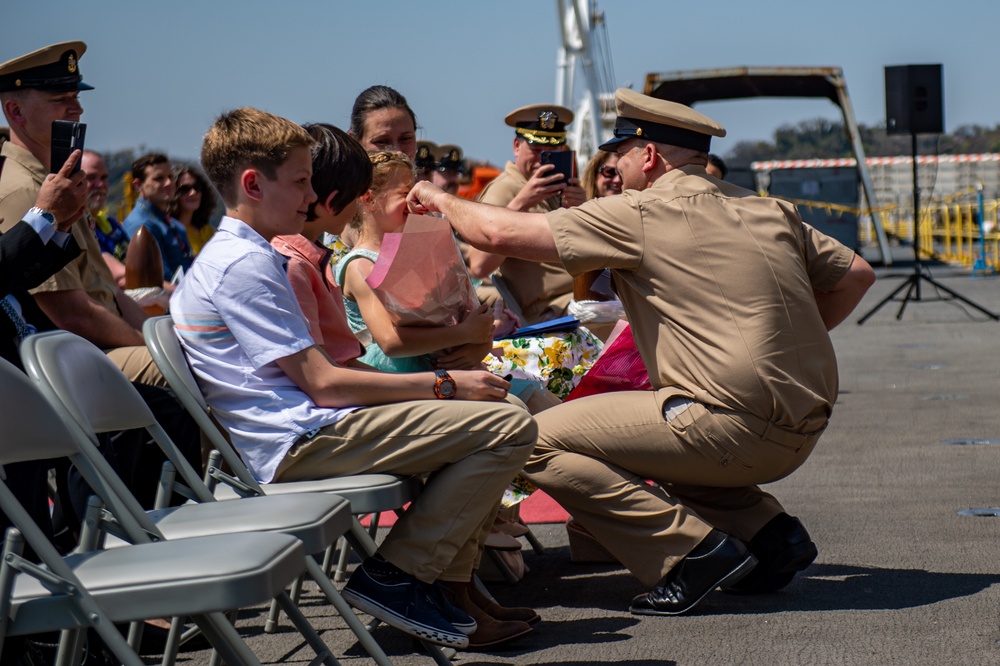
(250, 184)
(650, 158)
(12, 109)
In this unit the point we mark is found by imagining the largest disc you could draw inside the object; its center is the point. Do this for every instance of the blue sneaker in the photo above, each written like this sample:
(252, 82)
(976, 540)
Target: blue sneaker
(403, 602)
(458, 618)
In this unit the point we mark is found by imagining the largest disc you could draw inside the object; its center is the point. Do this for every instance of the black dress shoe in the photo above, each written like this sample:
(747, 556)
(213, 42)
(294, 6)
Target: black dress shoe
(782, 548)
(719, 559)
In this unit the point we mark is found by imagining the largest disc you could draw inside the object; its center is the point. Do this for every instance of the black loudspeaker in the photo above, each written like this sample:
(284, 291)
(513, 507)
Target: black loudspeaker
(913, 100)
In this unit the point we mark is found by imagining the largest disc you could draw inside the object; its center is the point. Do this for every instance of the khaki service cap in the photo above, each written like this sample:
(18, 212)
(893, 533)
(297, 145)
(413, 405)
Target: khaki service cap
(54, 68)
(644, 117)
(541, 123)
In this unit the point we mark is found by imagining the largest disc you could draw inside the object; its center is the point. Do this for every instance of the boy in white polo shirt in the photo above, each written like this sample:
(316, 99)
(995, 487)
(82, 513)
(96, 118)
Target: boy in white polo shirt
(294, 414)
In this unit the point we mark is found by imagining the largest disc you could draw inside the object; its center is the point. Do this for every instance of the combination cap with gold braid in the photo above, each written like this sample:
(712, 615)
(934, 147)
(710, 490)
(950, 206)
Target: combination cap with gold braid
(644, 117)
(543, 124)
(450, 158)
(53, 68)
(426, 156)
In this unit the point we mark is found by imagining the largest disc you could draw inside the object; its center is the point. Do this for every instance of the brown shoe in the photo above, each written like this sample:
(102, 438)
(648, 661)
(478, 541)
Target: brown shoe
(490, 632)
(499, 612)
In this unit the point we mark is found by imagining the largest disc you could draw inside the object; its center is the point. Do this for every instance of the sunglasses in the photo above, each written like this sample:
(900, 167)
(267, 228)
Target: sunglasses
(608, 172)
(187, 189)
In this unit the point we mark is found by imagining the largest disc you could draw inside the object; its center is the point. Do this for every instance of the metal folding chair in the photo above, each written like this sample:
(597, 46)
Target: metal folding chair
(367, 493)
(200, 577)
(77, 376)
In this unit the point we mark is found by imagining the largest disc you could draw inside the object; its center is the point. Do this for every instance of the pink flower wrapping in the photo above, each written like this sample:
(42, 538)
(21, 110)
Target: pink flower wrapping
(420, 277)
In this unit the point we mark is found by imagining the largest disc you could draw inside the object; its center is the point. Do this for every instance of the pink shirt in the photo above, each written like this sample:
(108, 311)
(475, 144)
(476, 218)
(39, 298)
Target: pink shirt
(322, 303)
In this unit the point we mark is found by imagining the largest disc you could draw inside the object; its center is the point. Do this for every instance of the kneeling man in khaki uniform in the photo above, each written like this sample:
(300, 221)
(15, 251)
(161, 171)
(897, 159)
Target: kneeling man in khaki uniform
(730, 297)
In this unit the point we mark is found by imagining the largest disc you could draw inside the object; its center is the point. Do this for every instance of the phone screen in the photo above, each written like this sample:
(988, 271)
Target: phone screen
(66, 137)
(564, 161)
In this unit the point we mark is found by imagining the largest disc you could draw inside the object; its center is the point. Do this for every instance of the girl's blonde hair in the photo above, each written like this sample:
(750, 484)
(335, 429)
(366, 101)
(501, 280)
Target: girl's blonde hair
(385, 164)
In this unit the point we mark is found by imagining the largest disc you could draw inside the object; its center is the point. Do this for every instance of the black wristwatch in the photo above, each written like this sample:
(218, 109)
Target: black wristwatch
(444, 385)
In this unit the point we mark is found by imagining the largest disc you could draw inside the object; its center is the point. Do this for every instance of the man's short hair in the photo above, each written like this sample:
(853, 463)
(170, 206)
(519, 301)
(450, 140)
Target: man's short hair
(340, 164)
(145, 161)
(717, 162)
(248, 138)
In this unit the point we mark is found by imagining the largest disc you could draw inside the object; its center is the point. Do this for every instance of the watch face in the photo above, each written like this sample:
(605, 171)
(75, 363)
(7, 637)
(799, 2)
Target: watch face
(444, 387)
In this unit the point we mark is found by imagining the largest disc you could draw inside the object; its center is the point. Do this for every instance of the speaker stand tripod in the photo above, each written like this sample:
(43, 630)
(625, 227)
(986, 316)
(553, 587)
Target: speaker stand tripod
(912, 283)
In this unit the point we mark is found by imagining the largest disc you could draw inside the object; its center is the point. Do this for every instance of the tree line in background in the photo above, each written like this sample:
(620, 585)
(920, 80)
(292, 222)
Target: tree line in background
(819, 138)
(826, 139)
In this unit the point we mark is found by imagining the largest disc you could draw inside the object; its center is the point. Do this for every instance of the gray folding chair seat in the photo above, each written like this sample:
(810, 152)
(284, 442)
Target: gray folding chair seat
(202, 575)
(95, 396)
(139, 582)
(368, 493)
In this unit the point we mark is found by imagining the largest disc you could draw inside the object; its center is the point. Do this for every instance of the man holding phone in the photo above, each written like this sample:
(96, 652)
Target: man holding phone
(35, 90)
(543, 290)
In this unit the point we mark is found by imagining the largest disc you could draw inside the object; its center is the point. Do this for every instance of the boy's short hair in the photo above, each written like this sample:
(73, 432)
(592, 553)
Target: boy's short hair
(144, 161)
(340, 164)
(248, 138)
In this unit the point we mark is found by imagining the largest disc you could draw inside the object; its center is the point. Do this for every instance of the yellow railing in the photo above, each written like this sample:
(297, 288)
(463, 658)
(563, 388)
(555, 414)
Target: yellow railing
(949, 227)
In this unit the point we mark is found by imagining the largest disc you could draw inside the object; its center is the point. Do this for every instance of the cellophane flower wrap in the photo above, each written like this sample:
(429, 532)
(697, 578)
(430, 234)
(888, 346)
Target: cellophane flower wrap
(420, 277)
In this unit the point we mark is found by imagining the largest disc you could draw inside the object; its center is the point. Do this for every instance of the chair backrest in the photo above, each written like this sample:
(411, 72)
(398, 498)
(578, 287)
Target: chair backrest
(32, 428)
(35, 428)
(78, 377)
(94, 390)
(165, 348)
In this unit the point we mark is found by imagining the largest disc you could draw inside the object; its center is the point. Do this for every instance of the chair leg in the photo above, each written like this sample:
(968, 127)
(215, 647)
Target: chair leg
(224, 638)
(215, 659)
(70, 648)
(536, 545)
(340, 575)
(501, 566)
(329, 553)
(174, 637)
(308, 632)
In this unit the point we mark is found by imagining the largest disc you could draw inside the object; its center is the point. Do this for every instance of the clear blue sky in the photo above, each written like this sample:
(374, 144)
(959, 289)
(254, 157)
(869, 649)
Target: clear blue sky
(164, 70)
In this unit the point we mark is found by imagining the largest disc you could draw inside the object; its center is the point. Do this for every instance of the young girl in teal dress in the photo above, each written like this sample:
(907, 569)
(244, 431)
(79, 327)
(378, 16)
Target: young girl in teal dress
(381, 210)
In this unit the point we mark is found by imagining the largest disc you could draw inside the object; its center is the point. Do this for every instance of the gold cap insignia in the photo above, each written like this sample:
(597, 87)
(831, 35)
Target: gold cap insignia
(18, 83)
(547, 120)
(423, 153)
(638, 131)
(453, 156)
(71, 64)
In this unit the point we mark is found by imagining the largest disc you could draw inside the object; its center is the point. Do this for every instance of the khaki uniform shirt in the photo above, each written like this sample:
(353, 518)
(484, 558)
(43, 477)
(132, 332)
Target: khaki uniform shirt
(20, 180)
(718, 286)
(88, 272)
(543, 290)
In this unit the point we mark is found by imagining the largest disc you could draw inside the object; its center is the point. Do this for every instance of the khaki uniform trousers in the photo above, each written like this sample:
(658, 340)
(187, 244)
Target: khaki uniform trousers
(470, 449)
(137, 364)
(595, 454)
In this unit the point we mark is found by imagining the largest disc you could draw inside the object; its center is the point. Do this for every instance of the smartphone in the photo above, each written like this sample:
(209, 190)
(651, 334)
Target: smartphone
(66, 137)
(564, 161)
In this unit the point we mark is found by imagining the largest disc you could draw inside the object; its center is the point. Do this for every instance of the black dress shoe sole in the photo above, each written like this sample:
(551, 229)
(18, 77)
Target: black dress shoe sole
(779, 572)
(738, 572)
